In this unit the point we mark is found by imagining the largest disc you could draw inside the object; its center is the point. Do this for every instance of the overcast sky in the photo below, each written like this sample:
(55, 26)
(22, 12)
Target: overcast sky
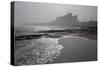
(29, 12)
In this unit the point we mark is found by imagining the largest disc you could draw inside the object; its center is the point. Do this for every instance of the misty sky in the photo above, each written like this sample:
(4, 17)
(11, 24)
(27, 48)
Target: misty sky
(29, 12)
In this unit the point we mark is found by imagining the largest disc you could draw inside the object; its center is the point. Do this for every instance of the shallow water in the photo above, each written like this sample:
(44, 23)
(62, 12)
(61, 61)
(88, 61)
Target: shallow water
(37, 51)
(54, 50)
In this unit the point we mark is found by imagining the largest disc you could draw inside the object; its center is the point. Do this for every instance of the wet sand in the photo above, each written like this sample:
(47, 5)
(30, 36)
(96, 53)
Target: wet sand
(77, 49)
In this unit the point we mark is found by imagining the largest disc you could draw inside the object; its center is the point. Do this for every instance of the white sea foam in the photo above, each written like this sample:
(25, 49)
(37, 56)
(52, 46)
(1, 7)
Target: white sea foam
(44, 50)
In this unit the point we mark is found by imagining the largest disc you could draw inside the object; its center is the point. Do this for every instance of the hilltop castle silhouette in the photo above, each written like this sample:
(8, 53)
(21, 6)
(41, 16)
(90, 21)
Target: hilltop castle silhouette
(67, 19)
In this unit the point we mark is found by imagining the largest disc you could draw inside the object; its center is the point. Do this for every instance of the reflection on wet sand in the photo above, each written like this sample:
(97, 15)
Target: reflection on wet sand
(77, 49)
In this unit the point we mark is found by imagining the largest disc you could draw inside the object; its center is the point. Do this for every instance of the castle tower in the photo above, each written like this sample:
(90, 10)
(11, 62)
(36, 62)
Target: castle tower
(75, 16)
(69, 14)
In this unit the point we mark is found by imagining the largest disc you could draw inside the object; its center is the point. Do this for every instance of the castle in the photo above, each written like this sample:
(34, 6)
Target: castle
(68, 19)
